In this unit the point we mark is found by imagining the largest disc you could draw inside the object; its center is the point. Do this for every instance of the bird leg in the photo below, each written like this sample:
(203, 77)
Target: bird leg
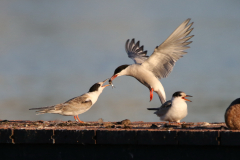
(151, 94)
(79, 120)
(75, 118)
(178, 122)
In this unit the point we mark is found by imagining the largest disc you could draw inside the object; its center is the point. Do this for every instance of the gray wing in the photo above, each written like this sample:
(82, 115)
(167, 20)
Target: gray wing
(80, 99)
(163, 59)
(82, 102)
(135, 52)
(70, 105)
(164, 108)
(83, 99)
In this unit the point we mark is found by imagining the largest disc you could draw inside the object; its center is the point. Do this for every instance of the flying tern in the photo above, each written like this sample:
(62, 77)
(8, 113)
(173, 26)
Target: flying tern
(149, 69)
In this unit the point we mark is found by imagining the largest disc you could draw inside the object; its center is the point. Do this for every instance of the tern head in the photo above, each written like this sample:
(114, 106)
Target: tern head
(98, 87)
(119, 71)
(180, 94)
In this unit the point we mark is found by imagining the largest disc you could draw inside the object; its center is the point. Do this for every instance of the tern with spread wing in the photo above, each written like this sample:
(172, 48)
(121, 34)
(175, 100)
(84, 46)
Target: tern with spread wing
(77, 105)
(175, 109)
(149, 69)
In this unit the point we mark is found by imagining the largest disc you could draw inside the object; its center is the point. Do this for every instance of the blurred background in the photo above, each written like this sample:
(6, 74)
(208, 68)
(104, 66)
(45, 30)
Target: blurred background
(51, 51)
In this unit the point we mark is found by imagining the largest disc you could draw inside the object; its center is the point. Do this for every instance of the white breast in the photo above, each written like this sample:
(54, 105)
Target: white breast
(93, 97)
(145, 76)
(177, 111)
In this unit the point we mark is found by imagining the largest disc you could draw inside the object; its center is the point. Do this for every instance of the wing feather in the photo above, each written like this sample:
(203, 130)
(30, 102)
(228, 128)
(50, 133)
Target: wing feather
(136, 53)
(164, 108)
(164, 57)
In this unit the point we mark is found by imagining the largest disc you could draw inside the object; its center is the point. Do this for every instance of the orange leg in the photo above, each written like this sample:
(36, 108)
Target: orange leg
(75, 118)
(151, 94)
(79, 120)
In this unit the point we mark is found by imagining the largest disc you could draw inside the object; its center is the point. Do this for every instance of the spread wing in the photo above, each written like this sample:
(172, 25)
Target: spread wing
(135, 52)
(164, 108)
(163, 59)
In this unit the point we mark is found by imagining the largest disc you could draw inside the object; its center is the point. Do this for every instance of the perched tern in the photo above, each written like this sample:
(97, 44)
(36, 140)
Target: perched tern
(148, 70)
(77, 105)
(175, 109)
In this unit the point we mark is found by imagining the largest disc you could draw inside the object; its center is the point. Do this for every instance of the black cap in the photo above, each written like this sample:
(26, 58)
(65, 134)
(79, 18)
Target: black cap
(177, 94)
(120, 68)
(94, 87)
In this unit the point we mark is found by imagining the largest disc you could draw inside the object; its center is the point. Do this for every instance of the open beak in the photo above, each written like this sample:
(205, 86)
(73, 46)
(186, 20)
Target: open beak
(104, 82)
(187, 99)
(106, 85)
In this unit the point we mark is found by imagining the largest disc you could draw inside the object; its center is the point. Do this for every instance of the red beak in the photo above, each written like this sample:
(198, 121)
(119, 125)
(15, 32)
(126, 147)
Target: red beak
(113, 77)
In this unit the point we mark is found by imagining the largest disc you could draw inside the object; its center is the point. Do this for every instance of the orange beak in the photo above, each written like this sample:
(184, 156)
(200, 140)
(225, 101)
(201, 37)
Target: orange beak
(106, 85)
(113, 77)
(187, 99)
(104, 82)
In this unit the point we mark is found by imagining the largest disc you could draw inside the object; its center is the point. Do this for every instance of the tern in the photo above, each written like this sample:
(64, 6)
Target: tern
(175, 109)
(77, 105)
(149, 69)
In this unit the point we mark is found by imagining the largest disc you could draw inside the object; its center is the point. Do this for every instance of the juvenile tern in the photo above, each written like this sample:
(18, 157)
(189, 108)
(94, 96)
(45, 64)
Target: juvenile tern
(175, 109)
(77, 105)
(148, 70)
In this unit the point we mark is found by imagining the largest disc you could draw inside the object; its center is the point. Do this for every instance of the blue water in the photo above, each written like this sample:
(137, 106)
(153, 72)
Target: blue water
(53, 51)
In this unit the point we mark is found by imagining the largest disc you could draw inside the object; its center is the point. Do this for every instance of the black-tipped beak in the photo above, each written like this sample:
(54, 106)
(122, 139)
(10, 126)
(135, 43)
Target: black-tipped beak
(187, 99)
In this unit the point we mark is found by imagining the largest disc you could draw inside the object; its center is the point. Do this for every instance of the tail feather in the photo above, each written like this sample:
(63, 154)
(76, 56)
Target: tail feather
(42, 108)
(39, 112)
(152, 109)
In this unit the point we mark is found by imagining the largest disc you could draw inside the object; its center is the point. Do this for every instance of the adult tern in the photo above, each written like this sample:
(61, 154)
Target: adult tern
(149, 69)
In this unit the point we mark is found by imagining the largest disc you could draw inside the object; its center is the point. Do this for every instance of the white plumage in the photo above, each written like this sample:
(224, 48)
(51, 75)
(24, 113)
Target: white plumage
(173, 110)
